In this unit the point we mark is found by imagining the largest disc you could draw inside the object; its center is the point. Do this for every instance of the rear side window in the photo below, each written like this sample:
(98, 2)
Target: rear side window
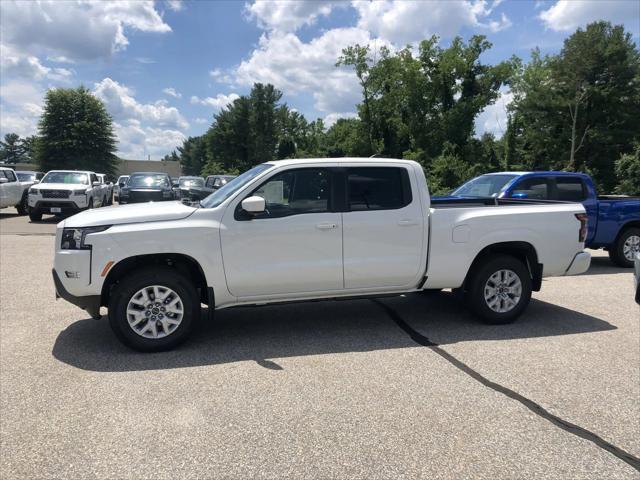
(378, 188)
(534, 188)
(570, 189)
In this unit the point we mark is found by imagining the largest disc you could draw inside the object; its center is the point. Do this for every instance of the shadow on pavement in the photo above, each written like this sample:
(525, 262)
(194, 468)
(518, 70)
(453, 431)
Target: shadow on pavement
(604, 266)
(273, 332)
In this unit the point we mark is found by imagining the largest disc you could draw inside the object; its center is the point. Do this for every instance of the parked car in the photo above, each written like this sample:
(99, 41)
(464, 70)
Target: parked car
(614, 221)
(65, 191)
(636, 276)
(122, 181)
(295, 230)
(107, 188)
(186, 183)
(13, 191)
(29, 176)
(147, 187)
(211, 184)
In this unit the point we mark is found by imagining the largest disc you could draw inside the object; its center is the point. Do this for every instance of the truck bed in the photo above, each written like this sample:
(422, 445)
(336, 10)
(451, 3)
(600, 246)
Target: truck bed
(488, 202)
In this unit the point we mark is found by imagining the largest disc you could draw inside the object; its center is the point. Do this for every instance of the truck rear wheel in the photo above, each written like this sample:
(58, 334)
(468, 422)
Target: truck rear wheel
(627, 245)
(499, 289)
(154, 309)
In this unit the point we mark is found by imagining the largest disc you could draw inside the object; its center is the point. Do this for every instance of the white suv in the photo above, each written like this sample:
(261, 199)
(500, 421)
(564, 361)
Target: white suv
(65, 191)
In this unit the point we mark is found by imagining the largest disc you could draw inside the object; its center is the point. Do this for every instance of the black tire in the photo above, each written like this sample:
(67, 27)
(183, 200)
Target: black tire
(35, 215)
(616, 252)
(23, 206)
(167, 277)
(481, 274)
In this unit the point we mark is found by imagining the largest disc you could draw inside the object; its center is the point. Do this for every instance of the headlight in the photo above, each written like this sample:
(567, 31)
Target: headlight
(33, 191)
(73, 238)
(80, 192)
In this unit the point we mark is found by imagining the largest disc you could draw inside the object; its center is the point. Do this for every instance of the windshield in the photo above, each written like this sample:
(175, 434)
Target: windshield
(26, 177)
(483, 186)
(233, 186)
(192, 182)
(148, 181)
(66, 177)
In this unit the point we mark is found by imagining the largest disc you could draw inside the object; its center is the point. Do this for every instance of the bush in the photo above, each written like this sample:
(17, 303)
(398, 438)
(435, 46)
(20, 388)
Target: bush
(628, 173)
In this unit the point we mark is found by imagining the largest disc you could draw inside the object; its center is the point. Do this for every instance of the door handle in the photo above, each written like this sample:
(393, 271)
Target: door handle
(407, 222)
(326, 226)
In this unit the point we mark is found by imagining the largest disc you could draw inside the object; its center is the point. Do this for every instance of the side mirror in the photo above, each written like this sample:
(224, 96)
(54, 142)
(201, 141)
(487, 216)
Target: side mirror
(96, 184)
(254, 205)
(121, 184)
(4, 180)
(36, 181)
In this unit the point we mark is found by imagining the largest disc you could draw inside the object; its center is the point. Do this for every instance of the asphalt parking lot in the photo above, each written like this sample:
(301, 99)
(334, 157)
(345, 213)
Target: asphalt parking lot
(393, 388)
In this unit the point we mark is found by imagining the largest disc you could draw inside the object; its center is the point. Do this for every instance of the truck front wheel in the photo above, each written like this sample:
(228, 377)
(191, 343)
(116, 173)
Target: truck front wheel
(499, 289)
(35, 215)
(154, 309)
(627, 245)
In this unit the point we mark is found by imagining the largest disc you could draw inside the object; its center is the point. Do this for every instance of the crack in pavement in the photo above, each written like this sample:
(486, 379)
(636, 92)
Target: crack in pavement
(528, 403)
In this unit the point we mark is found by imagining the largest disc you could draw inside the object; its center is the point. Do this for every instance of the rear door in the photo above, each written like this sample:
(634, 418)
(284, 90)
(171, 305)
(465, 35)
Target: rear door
(383, 228)
(293, 247)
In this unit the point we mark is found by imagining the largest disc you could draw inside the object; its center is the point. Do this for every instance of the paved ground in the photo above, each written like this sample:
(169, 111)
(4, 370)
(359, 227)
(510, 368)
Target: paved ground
(324, 390)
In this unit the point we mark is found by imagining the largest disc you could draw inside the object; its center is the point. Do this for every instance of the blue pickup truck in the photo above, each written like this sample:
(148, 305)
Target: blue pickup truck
(614, 221)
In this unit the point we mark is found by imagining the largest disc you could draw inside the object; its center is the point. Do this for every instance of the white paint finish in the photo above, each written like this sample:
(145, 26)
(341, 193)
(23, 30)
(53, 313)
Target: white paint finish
(461, 234)
(300, 257)
(11, 191)
(294, 254)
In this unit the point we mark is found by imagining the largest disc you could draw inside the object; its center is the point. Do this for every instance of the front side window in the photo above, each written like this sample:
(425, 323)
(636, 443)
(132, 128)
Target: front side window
(293, 192)
(378, 188)
(10, 175)
(570, 189)
(66, 177)
(227, 190)
(534, 188)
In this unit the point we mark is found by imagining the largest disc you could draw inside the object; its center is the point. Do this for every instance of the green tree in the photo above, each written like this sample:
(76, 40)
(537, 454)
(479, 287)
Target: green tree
(11, 149)
(628, 173)
(75, 132)
(193, 155)
(579, 110)
(29, 146)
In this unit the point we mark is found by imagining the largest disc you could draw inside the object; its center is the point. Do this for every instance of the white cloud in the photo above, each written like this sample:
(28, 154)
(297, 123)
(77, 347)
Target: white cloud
(142, 128)
(565, 16)
(13, 64)
(21, 108)
(218, 102)
(175, 5)
(200, 120)
(172, 92)
(493, 119)
(287, 15)
(80, 30)
(121, 104)
(409, 21)
(332, 118)
(294, 66)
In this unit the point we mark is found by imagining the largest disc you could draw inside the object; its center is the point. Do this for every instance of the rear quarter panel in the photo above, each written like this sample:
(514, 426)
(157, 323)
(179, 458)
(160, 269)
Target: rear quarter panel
(613, 216)
(459, 234)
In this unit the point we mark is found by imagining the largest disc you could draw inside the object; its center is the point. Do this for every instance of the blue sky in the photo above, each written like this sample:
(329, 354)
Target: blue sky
(165, 68)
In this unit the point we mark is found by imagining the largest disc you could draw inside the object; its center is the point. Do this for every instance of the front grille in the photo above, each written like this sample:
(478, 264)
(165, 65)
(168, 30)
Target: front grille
(55, 193)
(144, 196)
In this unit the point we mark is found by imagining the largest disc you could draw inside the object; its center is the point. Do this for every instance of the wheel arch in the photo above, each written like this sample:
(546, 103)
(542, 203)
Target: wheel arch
(523, 251)
(181, 262)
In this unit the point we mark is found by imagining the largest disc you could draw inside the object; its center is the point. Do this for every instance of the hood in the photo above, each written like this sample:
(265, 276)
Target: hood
(134, 213)
(61, 186)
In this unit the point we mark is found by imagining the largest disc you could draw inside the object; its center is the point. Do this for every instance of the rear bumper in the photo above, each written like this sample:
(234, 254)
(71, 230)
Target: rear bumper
(580, 264)
(90, 304)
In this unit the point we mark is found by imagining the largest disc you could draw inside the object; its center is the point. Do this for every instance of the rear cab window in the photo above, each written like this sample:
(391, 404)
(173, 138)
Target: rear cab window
(570, 189)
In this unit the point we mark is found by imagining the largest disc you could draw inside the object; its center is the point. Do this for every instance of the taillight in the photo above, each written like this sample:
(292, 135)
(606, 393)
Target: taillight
(584, 220)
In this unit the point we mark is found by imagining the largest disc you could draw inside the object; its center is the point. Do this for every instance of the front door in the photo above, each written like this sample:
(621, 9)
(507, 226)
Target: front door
(295, 246)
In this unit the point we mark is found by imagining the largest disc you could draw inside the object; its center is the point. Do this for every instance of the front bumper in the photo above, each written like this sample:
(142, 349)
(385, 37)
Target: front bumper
(47, 205)
(90, 303)
(580, 264)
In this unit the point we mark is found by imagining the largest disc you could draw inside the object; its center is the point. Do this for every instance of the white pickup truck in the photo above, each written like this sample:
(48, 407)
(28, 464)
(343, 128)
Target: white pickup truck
(65, 191)
(12, 190)
(295, 230)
